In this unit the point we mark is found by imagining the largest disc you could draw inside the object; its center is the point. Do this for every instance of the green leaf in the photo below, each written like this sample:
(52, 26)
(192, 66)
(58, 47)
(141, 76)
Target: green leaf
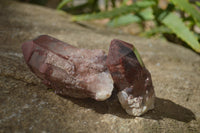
(62, 3)
(188, 8)
(115, 12)
(157, 30)
(147, 14)
(197, 3)
(173, 22)
(124, 20)
(124, 2)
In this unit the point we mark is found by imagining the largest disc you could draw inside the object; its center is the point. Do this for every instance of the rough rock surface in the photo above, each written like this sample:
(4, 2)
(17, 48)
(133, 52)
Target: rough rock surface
(27, 106)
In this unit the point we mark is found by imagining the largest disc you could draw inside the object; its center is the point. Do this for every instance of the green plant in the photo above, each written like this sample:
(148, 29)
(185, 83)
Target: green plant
(178, 18)
(88, 7)
(63, 3)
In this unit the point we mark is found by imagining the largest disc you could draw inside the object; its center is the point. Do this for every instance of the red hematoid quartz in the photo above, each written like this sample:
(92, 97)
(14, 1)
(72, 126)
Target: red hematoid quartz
(85, 73)
(131, 78)
(68, 70)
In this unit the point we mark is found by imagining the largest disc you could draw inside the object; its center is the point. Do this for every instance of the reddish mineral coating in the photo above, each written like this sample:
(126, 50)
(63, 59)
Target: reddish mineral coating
(68, 70)
(131, 78)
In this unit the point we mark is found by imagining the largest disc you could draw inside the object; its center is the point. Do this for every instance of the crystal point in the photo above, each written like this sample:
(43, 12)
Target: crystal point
(131, 78)
(69, 70)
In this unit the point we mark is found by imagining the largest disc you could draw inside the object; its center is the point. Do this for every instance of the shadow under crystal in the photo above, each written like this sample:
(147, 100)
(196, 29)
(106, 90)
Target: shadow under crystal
(164, 108)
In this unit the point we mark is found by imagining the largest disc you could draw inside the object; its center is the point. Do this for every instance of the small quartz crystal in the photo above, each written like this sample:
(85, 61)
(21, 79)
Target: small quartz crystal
(70, 71)
(131, 78)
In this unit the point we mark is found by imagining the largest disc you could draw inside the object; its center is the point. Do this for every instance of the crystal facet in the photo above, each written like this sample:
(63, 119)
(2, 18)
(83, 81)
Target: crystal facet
(68, 70)
(131, 78)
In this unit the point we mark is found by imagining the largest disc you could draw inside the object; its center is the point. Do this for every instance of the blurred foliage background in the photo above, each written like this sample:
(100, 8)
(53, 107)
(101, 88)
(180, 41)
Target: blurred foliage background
(176, 20)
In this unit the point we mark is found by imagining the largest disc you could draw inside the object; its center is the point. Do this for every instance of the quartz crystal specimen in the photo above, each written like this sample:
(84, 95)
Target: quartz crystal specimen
(68, 70)
(131, 78)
